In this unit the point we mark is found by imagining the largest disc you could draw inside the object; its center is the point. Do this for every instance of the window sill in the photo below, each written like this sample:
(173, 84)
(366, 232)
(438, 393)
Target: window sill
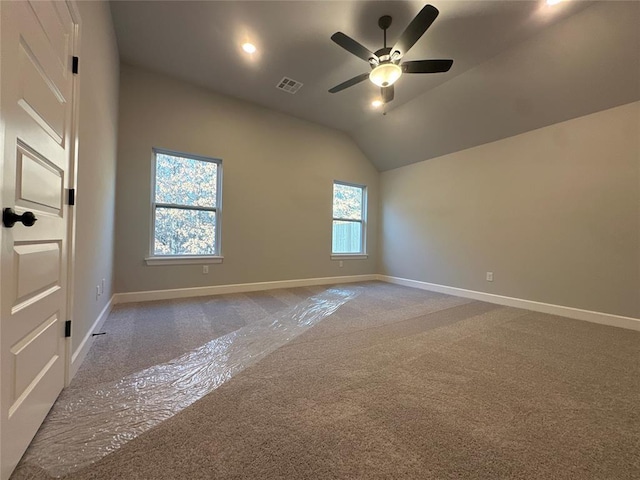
(182, 260)
(349, 256)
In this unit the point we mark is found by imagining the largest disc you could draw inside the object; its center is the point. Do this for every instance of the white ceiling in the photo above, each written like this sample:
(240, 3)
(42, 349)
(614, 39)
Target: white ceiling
(507, 54)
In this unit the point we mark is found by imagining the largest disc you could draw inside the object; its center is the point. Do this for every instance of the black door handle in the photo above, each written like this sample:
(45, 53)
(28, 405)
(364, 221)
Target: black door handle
(9, 218)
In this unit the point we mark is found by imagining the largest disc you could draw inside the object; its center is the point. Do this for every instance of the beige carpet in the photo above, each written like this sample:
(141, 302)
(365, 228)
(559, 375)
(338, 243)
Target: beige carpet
(398, 383)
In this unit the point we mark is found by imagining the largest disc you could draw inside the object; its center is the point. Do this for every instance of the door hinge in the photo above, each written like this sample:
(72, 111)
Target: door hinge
(74, 66)
(72, 196)
(67, 328)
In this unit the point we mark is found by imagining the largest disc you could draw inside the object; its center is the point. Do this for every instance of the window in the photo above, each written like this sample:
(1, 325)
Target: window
(349, 218)
(186, 205)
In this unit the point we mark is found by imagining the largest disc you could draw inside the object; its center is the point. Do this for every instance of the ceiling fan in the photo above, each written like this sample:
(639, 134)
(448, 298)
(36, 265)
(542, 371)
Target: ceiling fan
(385, 63)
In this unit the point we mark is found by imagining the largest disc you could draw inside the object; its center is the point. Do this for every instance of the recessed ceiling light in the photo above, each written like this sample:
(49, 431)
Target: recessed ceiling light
(553, 2)
(376, 103)
(249, 47)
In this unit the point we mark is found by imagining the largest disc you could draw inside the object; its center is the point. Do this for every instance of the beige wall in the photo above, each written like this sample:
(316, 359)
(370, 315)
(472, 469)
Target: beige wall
(278, 173)
(96, 166)
(554, 213)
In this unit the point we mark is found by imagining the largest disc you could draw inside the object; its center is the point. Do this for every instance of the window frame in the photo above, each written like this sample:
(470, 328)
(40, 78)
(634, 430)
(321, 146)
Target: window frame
(362, 254)
(216, 257)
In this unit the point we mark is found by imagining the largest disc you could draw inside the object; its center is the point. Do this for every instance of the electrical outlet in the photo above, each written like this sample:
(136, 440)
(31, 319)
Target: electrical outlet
(340, 263)
(489, 276)
(97, 292)
(205, 269)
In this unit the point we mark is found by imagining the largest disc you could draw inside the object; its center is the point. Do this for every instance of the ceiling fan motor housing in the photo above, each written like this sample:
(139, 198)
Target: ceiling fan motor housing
(384, 55)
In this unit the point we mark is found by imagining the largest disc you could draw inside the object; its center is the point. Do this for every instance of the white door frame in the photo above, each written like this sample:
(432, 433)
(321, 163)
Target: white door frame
(73, 183)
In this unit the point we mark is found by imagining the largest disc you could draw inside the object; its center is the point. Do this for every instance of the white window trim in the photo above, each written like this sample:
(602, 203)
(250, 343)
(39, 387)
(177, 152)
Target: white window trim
(184, 259)
(362, 254)
(349, 256)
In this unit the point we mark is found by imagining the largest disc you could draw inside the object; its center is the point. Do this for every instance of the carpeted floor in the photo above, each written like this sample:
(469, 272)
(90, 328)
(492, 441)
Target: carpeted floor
(398, 383)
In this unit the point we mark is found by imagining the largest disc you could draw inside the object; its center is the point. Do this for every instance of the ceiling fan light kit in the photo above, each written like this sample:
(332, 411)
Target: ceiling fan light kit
(385, 63)
(250, 48)
(385, 74)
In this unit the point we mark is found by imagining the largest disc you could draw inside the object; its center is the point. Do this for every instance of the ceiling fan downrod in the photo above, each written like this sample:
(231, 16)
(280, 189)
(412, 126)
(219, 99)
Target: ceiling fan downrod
(384, 22)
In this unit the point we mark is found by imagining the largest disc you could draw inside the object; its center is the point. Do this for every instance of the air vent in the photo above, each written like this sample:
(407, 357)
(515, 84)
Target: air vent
(288, 85)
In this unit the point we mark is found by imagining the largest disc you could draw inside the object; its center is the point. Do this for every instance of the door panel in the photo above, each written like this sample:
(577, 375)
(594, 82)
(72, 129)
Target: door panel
(57, 25)
(40, 183)
(33, 356)
(37, 84)
(38, 269)
(39, 96)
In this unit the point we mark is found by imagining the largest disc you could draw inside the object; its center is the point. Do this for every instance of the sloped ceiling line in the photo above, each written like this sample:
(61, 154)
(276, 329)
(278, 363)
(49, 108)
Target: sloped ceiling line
(518, 65)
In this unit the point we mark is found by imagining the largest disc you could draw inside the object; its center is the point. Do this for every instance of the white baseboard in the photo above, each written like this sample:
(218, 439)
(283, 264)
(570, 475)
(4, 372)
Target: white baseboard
(81, 352)
(235, 288)
(569, 312)
(575, 313)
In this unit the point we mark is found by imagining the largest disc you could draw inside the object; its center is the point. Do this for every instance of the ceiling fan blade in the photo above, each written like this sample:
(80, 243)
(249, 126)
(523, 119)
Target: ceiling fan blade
(349, 83)
(387, 93)
(351, 46)
(427, 66)
(416, 29)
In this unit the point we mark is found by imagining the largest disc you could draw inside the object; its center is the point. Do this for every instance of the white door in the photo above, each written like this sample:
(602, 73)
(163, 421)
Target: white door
(37, 42)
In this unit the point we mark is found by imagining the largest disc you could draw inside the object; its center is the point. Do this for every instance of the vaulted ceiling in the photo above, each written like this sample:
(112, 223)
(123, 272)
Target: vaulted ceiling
(518, 65)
